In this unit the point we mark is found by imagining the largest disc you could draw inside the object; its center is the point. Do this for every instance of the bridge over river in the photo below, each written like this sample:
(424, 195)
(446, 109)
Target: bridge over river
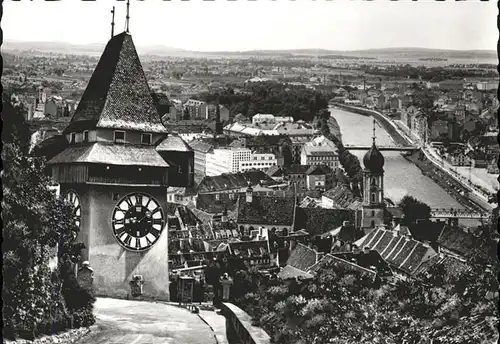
(447, 213)
(384, 148)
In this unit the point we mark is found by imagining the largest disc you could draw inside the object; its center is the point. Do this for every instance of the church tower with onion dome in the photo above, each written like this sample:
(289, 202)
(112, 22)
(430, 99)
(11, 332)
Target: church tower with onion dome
(373, 187)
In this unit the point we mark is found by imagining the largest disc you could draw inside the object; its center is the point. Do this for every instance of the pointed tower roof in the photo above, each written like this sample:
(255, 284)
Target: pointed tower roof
(117, 95)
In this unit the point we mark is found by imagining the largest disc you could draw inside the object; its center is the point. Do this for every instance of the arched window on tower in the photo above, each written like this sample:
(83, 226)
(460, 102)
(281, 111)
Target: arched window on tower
(373, 198)
(373, 182)
(373, 213)
(373, 224)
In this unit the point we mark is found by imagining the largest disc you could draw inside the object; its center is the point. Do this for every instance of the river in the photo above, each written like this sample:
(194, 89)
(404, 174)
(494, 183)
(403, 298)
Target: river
(401, 176)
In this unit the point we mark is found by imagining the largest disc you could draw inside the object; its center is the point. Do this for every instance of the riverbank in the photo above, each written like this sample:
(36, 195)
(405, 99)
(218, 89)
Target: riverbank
(457, 189)
(452, 187)
(389, 127)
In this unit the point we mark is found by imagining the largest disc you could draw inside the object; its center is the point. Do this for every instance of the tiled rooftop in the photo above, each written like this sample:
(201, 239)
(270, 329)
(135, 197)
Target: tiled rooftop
(117, 95)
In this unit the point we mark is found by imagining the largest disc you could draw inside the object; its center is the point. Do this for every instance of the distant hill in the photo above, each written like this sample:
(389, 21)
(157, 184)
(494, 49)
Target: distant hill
(395, 52)
(159, 50)
(85, 49)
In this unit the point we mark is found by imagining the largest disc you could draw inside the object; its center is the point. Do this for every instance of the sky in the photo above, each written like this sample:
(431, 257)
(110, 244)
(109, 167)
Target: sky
(223, 25)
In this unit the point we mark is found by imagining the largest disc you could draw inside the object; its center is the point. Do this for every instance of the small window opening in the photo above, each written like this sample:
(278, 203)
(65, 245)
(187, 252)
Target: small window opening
(146, 139)
(119, 136)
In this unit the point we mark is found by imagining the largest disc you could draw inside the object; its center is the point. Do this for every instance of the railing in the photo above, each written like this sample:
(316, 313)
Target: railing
(457, 213)
(384, 148)
(239, 328)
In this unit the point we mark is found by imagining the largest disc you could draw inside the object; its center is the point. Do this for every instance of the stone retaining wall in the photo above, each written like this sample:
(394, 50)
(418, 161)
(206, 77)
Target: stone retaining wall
(239, 328)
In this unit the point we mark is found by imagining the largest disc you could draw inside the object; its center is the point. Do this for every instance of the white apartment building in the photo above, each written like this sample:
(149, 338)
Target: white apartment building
(226, 160)
(258, 162)
(237, 160)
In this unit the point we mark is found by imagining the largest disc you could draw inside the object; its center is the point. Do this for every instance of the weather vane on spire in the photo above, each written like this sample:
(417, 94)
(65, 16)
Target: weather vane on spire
(374, 131)
(128, 17)
(113, 22)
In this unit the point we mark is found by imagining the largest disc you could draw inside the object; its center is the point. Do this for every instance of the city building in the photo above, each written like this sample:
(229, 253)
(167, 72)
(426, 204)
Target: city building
(226, 160)
(276, 214)
(320, 151)
(258, 162)
(197, 109)
(201, 149)
(459, 158)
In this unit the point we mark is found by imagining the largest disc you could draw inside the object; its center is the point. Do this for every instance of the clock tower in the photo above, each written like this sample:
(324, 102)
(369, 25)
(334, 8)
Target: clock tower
(117, 178)
(373, 187)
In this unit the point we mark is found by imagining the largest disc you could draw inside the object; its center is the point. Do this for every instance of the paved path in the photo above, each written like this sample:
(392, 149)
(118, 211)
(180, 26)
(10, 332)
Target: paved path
(218, 324)
(138, 322)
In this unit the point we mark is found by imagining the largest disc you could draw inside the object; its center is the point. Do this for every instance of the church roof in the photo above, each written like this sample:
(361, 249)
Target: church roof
(374, 160)
(117, 95)
(111, 154)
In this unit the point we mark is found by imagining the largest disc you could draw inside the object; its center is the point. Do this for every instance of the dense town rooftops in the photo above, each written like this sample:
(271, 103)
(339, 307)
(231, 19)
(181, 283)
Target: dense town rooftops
(456, 240)
(208, 204)
(117, 95)
(401, 252)
(112, 154)
(231, 181)
(335, 261)
(320, 220)
(266, 211)
(343, 198)
(248, 249)
(452, 266)
(302, 257)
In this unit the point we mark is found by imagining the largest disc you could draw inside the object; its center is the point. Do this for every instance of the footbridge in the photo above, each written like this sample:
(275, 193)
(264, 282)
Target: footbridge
(385, 148)
(446, 213)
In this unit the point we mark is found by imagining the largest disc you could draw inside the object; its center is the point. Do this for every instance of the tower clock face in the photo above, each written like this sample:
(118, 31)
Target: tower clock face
(73, 199)
(137, 221)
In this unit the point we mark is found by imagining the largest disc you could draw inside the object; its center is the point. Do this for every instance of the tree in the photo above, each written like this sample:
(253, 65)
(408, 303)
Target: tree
(35, 224)
(414, 210)
(15, 128)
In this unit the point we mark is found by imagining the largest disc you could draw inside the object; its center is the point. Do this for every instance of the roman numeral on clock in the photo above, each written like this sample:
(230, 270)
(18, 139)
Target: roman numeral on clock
(138, 199)
(129, 202)
(119, 221)
(127, 240)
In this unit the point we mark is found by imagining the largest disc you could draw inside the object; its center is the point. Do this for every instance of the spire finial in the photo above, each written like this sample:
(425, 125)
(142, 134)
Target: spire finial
(113, 22)
(374, 137)
(128, 17)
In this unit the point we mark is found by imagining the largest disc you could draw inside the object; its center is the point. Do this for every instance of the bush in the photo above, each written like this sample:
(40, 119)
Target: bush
(83, 317)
